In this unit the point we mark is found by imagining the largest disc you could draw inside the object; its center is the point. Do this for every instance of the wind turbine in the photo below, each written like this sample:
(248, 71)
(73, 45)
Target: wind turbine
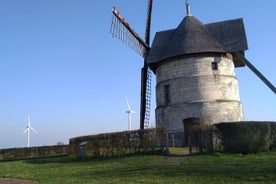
(28, 130)
(129, 112)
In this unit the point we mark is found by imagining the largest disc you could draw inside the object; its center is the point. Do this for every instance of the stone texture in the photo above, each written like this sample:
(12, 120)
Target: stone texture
(197, 90)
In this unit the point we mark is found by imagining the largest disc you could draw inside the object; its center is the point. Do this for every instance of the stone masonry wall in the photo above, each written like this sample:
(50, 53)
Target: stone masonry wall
(196, 90)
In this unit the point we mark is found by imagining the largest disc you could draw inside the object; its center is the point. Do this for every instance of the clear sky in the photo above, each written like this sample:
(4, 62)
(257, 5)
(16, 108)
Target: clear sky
(60, 65)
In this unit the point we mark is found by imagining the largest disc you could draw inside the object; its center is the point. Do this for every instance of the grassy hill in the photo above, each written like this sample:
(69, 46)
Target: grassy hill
(174, 169)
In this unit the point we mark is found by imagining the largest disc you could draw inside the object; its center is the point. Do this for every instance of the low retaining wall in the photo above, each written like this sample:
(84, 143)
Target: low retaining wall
(15, 153)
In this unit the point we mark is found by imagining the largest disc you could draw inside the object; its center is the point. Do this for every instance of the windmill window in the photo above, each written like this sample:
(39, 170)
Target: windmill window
(167, 94)
(214, 65)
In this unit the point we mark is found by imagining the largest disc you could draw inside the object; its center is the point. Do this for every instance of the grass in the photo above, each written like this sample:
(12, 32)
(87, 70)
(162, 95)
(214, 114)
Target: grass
(218, 168)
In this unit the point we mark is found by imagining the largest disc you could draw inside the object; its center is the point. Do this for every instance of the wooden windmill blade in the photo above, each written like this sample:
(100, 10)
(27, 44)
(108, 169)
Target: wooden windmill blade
(123, 31)
(146, 77)
(256, 71)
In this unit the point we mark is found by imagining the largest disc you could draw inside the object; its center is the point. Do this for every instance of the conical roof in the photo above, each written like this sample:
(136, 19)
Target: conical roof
(192, 36)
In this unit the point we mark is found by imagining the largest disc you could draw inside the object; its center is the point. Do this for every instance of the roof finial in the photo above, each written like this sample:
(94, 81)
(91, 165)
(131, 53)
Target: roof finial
(188, 8)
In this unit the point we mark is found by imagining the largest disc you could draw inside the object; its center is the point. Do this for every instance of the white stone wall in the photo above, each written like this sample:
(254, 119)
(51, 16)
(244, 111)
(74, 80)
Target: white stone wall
(197, 90)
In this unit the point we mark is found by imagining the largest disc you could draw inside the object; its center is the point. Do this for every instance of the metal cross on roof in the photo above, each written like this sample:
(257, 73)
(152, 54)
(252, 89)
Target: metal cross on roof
(188, 8)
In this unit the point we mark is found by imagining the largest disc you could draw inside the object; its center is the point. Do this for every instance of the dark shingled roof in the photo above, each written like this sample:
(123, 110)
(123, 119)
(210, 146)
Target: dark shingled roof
(192, 37)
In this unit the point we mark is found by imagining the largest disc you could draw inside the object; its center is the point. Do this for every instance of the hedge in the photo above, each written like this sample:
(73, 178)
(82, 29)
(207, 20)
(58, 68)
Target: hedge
(245, 137)
(273, 136)
(120, 143)
(202, 137)
(41, 151)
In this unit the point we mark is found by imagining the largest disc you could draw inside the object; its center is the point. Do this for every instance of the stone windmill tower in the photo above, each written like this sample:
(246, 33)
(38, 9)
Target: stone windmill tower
(195, 73)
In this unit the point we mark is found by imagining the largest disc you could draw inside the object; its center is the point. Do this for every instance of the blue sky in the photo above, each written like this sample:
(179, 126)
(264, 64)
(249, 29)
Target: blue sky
(60, 65)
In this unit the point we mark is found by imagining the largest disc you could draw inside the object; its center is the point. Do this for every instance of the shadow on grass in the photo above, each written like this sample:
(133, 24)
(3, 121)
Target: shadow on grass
(215, 168)
(230, 167)
(67, 159)
(44, 159)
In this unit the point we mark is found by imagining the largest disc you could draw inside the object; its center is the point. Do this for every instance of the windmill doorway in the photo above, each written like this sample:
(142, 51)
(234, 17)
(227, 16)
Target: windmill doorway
(188, 125)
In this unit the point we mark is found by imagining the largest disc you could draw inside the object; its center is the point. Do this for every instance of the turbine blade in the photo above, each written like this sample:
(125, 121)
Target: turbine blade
(128, 106)
(25, 131)
(29, 121)
(33, 130)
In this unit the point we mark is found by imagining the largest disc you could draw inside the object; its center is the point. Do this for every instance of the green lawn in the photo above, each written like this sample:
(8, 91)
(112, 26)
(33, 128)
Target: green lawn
(147, 169)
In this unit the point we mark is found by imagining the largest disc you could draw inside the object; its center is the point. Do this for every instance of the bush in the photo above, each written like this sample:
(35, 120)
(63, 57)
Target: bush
(244, 137)
(273, 136)
(202, 137)
(41, 151)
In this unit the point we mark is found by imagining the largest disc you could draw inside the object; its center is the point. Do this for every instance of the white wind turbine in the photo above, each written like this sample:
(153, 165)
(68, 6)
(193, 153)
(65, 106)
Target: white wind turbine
(28, 130)
(129, 112)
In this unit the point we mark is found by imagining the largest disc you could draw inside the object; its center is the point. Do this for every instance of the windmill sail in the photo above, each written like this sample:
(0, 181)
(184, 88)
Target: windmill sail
(257, 72)
(147, 94)
(121, 29)
(146, 78)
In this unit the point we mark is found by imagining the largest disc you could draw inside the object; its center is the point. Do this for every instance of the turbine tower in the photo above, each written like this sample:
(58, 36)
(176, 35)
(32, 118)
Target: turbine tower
(129, 112)
(28, 130)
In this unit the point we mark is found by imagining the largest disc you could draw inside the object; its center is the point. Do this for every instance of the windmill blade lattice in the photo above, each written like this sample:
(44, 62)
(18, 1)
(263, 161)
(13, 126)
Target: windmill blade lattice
(146, 77)
(148, 100)
(121, 30)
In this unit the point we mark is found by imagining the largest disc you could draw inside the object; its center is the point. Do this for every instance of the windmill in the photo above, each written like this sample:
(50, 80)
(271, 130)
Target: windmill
(129, 112)
(28, 130)
(194, 66)
(195, 73)
(123, 31)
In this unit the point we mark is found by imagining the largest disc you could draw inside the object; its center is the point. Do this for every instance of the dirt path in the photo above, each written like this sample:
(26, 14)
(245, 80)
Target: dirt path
(16, 181)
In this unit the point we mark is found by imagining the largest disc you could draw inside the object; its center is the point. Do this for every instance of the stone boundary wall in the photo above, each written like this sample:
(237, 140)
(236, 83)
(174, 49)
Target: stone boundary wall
(16, 153)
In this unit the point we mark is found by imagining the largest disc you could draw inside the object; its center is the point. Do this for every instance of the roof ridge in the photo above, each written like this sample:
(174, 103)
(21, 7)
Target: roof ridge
(192, 36)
